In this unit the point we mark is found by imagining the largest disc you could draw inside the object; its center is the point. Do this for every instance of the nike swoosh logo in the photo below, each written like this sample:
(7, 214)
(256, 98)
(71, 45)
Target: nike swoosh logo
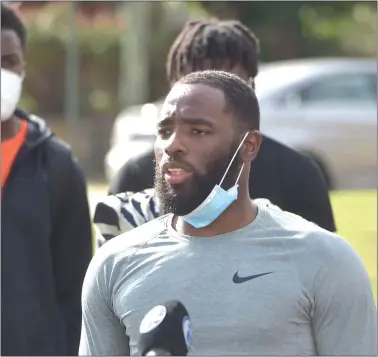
(238, 280)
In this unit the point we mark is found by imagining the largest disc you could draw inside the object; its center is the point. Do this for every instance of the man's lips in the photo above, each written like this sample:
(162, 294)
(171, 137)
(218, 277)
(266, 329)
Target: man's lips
(176, 172)
(175, 176)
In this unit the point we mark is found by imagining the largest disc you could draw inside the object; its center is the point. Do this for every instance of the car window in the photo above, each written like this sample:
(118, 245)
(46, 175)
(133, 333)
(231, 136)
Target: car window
(340, 88)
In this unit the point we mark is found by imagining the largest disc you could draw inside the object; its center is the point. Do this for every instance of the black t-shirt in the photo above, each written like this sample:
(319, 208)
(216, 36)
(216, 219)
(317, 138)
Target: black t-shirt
(287, 178)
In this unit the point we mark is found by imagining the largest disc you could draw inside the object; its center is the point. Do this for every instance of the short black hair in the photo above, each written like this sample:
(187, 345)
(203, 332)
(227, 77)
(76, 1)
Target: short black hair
(10, 21)
(216, 41)
(240, 98)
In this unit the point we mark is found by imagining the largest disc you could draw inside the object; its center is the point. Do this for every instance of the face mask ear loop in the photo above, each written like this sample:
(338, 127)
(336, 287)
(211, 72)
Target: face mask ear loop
(232, 160)
(240, 172)
(251, 82)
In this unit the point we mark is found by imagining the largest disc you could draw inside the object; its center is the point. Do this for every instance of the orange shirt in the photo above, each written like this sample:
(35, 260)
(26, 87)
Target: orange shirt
(9, 151)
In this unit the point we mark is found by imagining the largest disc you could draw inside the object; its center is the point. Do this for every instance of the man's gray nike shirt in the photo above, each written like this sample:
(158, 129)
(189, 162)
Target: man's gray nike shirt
(316, 300)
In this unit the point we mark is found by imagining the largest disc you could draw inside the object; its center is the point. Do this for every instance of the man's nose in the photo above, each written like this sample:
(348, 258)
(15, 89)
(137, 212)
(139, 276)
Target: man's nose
(175, 145)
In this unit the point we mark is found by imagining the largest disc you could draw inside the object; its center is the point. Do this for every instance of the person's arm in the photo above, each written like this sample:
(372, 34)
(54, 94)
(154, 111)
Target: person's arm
(308, 194)
(344, 316)
(117, 214)
(71, 249)
(107, 217)
(102, 333)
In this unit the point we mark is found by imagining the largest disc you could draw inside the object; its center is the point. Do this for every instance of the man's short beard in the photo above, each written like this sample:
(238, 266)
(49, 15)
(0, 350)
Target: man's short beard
(200, 186)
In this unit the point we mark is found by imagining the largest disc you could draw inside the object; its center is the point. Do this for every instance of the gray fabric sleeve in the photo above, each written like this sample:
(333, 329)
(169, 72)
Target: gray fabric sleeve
(102, 333)
(344, 311)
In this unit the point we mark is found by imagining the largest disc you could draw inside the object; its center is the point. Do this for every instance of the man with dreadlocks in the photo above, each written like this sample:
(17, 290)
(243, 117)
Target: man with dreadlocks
(281, 175)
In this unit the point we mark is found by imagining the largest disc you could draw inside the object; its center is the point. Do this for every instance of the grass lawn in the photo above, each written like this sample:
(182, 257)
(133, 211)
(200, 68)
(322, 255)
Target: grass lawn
(356, 220)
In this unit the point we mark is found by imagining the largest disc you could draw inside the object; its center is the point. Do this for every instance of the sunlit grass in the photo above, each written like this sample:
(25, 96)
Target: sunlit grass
(356, 219)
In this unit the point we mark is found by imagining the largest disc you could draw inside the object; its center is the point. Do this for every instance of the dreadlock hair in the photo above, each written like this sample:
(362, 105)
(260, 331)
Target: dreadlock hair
(11, 21)
(240, 98)
(224, 44)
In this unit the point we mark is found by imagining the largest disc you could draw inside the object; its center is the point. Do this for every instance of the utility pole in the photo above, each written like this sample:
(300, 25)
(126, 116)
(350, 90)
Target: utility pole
(134, 59)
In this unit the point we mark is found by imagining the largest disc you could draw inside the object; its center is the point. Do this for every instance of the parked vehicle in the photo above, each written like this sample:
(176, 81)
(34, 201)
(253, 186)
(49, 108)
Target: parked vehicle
(323, 107)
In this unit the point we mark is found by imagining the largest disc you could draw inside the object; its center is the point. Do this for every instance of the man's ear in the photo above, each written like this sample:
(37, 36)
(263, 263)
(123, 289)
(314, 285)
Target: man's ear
(251, 146)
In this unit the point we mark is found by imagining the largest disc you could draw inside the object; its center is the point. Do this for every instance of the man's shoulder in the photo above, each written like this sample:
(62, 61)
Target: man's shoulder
(280, 223)
(295, 166)
(143, 159)
(142, 198)
(116, 255)
(51, 143)
(283, 151)
(62, 163)
(136, 207)
(59, 147)
(126, 244)
(144, 195)
(125, 211)
(57, 152)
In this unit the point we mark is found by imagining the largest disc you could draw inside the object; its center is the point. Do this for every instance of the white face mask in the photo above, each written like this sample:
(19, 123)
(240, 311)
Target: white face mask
(11, 88)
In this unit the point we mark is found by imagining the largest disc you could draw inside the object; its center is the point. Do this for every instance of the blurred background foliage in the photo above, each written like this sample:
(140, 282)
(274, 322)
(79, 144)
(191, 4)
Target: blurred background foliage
(301, 29)
(286, 29)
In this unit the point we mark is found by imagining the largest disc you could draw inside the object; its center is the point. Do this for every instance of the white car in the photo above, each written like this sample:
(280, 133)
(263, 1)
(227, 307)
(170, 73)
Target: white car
(323, 107)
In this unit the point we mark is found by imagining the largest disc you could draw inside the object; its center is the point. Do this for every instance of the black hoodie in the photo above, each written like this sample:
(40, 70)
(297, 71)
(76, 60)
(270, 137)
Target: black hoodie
(46, 247)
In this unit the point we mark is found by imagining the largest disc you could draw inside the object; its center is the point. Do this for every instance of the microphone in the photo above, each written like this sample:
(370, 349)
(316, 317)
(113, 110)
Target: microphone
(165, 331)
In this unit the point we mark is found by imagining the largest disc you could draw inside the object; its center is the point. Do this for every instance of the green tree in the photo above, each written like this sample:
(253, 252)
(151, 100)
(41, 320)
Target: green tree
(290, 29)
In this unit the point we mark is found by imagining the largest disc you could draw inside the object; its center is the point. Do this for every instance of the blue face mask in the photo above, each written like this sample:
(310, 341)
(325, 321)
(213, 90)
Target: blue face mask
(217, 201)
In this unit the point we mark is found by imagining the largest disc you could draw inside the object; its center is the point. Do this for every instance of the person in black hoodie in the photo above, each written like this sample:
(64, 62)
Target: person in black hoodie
(287, 178)
(46, 235)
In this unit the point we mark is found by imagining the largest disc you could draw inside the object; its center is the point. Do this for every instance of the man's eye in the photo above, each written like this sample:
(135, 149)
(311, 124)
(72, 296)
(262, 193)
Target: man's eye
(164, 132)
(198, 132)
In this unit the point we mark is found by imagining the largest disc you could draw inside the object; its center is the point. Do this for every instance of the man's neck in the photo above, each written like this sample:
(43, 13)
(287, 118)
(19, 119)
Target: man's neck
(10, 128)
(241, 213)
